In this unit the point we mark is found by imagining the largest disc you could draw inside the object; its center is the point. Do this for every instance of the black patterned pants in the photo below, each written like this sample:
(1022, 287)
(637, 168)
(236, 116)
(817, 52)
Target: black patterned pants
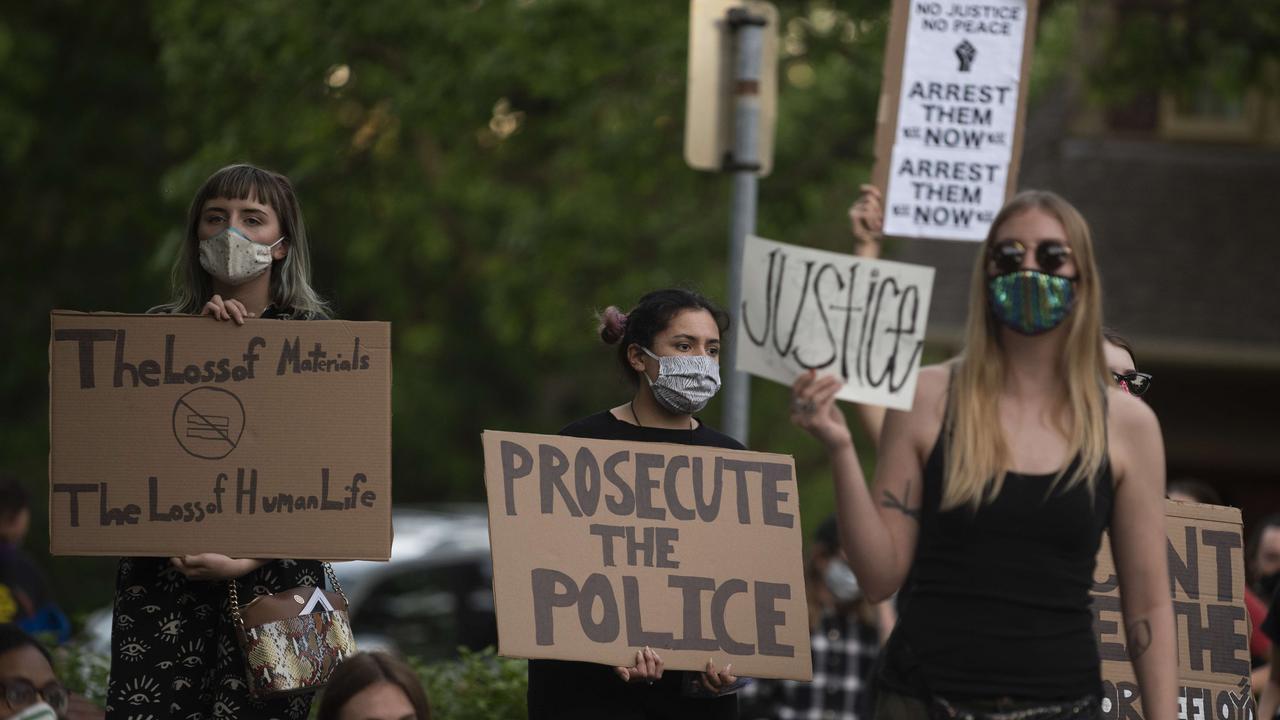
(174, 652)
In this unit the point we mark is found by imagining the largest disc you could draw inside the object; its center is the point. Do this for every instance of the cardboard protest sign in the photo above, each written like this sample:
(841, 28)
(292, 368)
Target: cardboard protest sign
(1206, 569)
(859, 318)
(175, 434)
(952, 109)
(603, 547)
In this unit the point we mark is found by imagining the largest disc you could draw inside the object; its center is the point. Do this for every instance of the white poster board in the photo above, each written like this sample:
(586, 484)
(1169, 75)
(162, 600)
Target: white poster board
(957, 118)
(863, 320)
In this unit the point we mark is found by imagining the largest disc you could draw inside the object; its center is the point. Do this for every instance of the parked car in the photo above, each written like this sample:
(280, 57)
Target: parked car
(434, 595)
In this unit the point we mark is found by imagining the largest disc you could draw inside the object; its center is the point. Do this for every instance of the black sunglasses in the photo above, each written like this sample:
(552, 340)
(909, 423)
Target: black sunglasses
(1135, 382)
(1009, 254)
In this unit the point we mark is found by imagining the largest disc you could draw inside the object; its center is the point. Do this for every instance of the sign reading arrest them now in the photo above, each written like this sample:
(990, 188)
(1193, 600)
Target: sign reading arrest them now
(949, 131)
(603, 547)
(176, 434)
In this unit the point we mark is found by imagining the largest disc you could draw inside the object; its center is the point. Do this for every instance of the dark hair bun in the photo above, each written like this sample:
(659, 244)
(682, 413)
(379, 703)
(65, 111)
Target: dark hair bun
(613, 324)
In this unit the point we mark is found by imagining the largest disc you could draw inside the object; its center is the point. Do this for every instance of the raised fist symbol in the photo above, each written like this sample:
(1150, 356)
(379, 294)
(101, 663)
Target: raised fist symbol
(966, 52)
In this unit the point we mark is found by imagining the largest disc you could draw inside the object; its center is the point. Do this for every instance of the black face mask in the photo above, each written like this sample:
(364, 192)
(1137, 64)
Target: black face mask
(1268, 584)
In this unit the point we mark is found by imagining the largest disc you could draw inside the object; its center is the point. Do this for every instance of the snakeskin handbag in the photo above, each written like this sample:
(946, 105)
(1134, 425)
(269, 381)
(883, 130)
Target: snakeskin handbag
(292, 640)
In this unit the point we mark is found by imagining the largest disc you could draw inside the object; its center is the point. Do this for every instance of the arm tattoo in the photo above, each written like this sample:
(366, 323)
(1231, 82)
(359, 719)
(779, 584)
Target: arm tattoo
(891, 501)
(1139, 639)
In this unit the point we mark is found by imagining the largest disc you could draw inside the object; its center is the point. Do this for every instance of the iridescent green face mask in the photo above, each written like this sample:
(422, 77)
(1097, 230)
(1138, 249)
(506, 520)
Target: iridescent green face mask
(1031, 302)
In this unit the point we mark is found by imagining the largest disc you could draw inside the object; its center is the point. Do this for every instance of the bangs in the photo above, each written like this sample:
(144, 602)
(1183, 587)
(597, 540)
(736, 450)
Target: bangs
(245, 182)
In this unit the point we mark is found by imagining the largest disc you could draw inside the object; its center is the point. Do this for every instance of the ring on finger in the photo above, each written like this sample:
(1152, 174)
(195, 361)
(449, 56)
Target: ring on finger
(803, 406)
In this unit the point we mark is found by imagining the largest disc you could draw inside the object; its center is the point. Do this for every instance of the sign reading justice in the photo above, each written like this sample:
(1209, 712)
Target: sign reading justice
(175, 434)
(602, 547)
(861, 319)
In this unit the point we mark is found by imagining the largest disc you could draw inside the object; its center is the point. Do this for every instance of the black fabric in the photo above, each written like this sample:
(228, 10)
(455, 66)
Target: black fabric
(999, 600)
(560, 690)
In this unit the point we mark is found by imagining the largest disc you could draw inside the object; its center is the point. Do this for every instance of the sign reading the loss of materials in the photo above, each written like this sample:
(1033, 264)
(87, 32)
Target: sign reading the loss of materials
(1206, 581)
(603, 547)
(174, 435)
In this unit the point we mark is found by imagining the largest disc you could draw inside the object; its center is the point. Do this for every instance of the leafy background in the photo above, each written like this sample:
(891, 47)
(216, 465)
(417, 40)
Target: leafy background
(483, 173)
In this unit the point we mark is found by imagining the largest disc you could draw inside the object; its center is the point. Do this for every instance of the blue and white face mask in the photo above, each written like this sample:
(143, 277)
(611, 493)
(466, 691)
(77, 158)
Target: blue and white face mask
(686, 383)
(1031, 302)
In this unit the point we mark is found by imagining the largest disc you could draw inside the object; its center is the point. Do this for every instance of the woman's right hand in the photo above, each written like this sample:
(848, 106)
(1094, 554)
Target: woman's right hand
(648, 668)
(813, 407)
(229, 309)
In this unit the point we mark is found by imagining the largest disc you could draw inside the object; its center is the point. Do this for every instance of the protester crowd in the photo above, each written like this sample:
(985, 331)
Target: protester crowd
(1018, 454)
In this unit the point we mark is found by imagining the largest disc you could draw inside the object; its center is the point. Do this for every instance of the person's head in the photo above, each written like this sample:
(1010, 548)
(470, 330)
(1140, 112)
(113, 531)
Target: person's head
(1123, 364)
(1262, 556)
(669, 323)
(1038, 247)
(26, 674)
(1192, 490)
(15, 510)
(261, 206)
(373, 686)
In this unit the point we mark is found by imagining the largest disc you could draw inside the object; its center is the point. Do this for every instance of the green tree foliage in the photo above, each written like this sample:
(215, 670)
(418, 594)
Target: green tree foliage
(483, 173)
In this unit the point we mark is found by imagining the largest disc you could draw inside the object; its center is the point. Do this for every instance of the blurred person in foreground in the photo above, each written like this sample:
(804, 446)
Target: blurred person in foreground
(374, 686)
(952, 500)
(845, 637)
(24, 593)
(29, 690)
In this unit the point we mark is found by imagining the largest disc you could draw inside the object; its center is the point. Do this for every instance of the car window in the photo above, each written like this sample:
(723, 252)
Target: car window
(427, 612)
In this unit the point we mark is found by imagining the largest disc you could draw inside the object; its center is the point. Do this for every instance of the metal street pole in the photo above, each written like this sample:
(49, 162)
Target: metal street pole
(743, 163)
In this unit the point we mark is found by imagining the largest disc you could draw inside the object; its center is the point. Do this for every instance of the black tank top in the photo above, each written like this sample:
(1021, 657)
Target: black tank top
(997, 602)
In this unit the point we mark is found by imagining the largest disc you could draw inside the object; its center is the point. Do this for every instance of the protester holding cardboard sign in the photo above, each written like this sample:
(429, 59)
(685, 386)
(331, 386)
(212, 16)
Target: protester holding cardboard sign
(174, 650)
(669, 348)
(994, 489)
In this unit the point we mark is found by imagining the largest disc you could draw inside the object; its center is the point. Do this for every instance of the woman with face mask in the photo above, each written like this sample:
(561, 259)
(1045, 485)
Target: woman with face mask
(669, 349)
(993, 491)
(174, 651)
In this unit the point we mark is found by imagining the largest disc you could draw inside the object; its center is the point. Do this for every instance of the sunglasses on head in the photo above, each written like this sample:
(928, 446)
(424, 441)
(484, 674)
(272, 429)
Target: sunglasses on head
(1009, 254)
(1136, 383)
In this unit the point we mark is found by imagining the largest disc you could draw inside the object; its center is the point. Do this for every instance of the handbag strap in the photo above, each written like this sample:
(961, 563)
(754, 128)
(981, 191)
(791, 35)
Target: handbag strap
(234, 595)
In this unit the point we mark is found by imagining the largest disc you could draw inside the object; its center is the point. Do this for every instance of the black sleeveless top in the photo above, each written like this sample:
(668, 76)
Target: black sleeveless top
(997, 601)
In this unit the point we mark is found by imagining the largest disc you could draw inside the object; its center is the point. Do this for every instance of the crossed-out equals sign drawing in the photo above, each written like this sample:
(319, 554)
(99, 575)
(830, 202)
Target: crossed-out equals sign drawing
(208, 427)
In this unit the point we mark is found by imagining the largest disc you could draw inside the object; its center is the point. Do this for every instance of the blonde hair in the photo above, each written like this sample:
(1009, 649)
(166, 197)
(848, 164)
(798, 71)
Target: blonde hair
(291, 289)
(977, 457)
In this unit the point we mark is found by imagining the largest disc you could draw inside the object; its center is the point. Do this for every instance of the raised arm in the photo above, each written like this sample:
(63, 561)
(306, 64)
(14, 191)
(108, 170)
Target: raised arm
(1138, 542)
(878, 525)
(866, 223)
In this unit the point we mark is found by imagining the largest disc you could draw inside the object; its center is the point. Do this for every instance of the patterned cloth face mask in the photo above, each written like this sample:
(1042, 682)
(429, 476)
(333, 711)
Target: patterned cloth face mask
(686, 383)
(1031, 302)
(233, 258)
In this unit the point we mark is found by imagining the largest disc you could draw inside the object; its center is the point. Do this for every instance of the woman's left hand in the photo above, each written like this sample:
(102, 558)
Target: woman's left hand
(717, 681)
(212, 566)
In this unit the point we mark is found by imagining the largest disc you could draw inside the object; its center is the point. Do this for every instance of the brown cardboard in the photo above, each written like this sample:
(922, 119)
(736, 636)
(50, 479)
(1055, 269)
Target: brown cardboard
(140, 442)
(1209, 612)
(891, 90)
(744, 541)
